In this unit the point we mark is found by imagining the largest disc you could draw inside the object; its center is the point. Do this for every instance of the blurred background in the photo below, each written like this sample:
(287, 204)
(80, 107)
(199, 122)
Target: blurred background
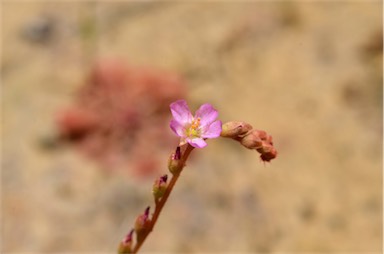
(86, 88)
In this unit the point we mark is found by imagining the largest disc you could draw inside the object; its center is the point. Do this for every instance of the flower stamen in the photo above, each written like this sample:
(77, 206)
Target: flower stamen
(196, 123)
(193, 130)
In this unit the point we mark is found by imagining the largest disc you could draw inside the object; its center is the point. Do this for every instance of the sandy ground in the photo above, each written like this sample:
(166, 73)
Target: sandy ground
(309, 73)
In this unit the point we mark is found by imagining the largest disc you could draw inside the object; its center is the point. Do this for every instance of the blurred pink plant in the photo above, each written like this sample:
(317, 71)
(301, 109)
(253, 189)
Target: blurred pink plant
(116, 107)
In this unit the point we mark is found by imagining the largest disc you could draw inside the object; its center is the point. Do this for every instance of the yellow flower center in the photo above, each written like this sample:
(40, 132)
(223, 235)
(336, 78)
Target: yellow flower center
(193, 130)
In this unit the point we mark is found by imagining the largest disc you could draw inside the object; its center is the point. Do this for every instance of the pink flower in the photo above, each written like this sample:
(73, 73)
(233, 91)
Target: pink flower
(194, 129)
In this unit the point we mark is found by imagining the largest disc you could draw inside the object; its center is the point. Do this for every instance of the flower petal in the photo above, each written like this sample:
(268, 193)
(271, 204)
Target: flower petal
(177, 128)
(197, 142)
(207, 114)
(181, 112)
(212, 131)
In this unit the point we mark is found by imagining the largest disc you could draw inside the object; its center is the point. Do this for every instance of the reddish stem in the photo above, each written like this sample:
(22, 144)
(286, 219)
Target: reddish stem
(163, 200)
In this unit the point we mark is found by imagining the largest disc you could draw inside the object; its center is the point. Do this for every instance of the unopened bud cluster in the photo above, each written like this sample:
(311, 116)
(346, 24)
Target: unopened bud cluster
(250, 138)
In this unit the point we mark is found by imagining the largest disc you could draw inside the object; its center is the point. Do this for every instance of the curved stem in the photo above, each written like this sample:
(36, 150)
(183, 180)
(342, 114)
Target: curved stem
(163, 200)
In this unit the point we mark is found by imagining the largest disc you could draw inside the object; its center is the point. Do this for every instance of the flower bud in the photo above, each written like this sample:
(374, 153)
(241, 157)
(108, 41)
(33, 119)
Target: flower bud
(261, 134)
(159, 187)
(234, 129)
(142, 223)
(125, 246)
(271, 154)
(265, 148)
(252, 140)
(174, 162)
(269, 139)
